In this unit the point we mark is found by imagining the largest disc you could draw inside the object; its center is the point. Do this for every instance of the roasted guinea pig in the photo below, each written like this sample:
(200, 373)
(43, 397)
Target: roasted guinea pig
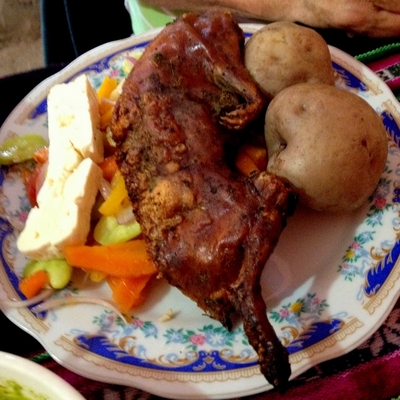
(209, 229)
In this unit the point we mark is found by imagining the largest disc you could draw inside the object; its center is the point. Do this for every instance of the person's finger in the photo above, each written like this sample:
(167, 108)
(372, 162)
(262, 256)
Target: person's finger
(387, 25)
(392, 6)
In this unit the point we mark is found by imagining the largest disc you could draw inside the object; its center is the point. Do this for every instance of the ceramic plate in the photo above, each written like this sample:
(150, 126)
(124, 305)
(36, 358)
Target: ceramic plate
(329, 285)
(24, 379)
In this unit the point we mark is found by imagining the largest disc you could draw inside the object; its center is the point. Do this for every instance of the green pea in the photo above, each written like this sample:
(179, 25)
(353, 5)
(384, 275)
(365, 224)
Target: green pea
(109, 231)
(59, 271)
(20, 148)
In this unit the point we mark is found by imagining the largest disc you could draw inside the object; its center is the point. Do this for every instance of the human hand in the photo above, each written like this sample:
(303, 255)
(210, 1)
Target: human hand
(374, 18)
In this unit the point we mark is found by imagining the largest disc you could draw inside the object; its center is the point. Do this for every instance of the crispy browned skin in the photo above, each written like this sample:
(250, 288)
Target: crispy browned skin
(209, 230)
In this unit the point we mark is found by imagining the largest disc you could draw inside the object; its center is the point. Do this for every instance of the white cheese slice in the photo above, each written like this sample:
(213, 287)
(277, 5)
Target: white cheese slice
(65, 220)
(74, 134)
(66, 198)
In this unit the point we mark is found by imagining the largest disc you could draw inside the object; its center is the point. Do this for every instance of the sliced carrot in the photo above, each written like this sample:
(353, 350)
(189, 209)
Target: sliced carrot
(106, 87)
(128, 259)
(29, 178)
(128, 292)
(34, 283)
(106, 106)
(42, 155)
(105, 118)
(258, 154)
(245, 164)
(109, 167)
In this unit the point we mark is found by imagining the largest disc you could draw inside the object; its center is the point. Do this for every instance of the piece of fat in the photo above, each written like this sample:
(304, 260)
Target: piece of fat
(72, 180)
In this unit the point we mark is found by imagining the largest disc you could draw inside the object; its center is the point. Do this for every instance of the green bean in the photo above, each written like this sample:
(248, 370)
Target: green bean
(108, 230)
(59, 271)
(20, 148)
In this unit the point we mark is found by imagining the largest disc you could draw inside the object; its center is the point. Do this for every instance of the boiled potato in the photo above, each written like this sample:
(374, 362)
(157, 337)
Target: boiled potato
(329, 143)
(283, 53)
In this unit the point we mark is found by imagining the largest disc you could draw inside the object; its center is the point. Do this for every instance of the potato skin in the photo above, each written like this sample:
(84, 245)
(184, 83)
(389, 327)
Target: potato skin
(283, 53)
(329, 143)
